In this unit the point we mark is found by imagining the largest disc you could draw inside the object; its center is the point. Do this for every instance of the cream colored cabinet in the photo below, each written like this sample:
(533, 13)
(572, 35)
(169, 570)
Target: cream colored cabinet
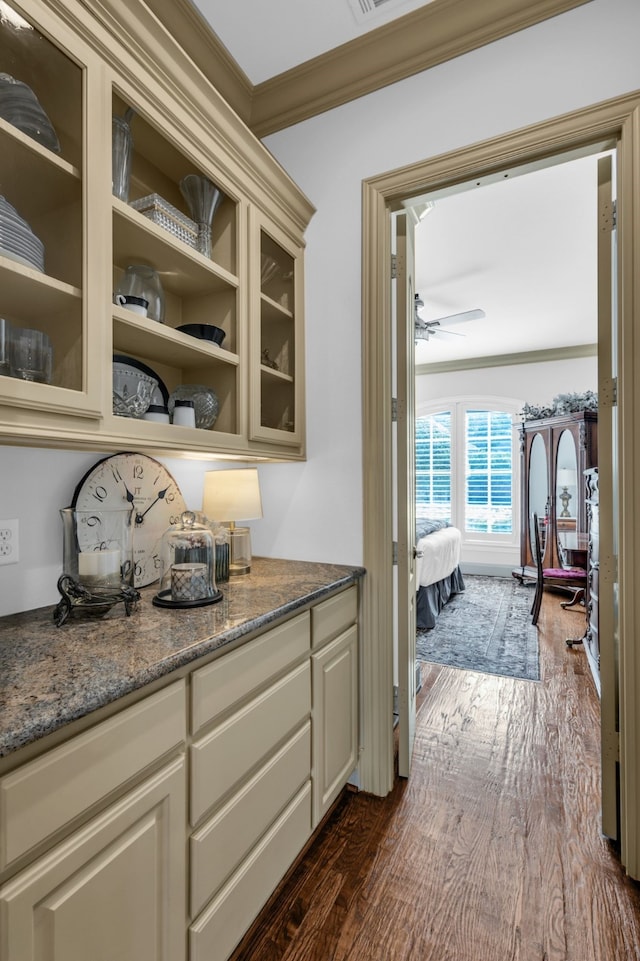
(99, 822)
(88, 81)
(250, 782)
(112, 890)
(137, 840)
(334, 665)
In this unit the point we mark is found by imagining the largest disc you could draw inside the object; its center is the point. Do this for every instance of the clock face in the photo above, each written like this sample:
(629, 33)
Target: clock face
(146, 486)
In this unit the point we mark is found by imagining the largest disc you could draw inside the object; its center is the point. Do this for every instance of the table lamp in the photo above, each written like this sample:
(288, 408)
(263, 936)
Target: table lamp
(566, 479)
(231, 495)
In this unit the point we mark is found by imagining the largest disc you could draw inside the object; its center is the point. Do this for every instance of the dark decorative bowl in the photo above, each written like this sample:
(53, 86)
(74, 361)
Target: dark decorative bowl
(204, 332)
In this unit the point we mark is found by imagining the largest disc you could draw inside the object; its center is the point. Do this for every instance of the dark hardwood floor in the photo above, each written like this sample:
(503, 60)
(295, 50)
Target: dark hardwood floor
(491, 851)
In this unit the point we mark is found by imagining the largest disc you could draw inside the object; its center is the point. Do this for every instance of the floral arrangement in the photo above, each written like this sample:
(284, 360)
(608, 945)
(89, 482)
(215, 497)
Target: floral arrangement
(561, 404)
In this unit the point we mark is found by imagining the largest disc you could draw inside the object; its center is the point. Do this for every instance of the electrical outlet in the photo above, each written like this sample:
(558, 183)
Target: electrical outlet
(9, 542)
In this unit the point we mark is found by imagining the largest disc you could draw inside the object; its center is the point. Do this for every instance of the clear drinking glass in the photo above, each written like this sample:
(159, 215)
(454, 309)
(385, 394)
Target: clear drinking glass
(29, 354)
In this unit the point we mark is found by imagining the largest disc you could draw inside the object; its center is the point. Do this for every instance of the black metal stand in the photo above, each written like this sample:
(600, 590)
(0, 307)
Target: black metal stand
(77, 600)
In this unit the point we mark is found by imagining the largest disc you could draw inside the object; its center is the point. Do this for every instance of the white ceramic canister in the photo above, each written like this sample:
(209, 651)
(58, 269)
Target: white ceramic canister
(184, 413)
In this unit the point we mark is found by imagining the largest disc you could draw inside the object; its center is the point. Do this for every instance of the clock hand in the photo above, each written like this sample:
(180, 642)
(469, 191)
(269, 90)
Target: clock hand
(140, 517)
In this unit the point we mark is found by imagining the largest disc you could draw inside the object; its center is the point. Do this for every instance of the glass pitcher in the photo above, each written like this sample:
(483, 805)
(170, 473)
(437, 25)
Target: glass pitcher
(140, 280)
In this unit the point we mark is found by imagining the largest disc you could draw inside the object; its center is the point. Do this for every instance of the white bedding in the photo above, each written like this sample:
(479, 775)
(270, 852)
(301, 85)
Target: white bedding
(440, 555)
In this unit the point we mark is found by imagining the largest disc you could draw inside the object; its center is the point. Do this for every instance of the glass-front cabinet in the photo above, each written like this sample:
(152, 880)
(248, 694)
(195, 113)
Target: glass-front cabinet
(45, 289)
(277, 355)
(151, 250)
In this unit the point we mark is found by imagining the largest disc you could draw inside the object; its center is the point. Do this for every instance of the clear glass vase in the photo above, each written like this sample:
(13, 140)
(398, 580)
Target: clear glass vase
(121, 154)
(203, 199)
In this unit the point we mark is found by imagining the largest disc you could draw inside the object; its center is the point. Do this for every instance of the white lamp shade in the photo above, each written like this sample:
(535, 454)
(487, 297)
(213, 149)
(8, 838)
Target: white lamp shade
(232, 495)
(566, 477)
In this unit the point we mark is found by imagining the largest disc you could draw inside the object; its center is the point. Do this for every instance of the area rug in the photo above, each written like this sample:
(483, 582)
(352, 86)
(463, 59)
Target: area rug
(485, 628)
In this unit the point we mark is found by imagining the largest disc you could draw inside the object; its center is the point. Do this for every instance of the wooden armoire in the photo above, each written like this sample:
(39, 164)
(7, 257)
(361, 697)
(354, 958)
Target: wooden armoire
(553, 450)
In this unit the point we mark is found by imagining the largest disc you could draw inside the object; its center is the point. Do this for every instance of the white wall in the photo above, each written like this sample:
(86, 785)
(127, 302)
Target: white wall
(532, 383)
(313, 510)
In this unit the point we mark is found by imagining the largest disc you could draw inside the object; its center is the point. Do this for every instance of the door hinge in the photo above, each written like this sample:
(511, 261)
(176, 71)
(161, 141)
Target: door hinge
(394, 410)
(611, 746)
(609, 392)
(609, 215)
(394, 553)
(394, 266)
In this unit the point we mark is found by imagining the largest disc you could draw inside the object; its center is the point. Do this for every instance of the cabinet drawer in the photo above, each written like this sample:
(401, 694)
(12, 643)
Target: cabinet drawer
(331, 617)
(223, 757)
(221, 926)
(44, 795)
(234, 676)
(220, 845)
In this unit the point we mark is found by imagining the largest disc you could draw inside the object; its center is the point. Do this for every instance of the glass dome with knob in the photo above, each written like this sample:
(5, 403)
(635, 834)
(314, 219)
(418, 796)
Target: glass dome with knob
(188, 565)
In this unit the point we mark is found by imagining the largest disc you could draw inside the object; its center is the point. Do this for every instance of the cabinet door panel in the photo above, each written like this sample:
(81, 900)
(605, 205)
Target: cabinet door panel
(114, 890)
(335, 718)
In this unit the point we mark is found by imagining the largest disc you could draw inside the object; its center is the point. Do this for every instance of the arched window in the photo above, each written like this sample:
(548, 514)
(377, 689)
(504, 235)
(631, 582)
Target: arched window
(466, 466)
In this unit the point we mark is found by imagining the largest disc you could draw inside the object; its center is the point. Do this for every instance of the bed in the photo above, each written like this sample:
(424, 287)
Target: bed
(438, 573)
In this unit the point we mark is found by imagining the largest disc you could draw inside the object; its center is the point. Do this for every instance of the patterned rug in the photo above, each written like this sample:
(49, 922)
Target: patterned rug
(486, 628)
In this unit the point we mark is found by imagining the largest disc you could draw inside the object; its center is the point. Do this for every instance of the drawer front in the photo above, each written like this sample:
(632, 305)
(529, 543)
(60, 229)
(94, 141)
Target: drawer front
(220, 845)
(235, 675)
(223, 757)
(333, 616)
(49, 792)
(221, 926)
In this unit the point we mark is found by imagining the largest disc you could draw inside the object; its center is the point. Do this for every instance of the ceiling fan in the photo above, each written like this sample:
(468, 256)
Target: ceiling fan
(424, 329)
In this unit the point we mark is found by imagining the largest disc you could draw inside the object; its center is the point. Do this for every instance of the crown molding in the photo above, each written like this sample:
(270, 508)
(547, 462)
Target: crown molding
(509, 360)
(201, 44)
(437, 32)
(433, 34)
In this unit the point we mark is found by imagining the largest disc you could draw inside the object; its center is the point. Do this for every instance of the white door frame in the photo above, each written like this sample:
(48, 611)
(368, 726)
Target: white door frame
(608, 123)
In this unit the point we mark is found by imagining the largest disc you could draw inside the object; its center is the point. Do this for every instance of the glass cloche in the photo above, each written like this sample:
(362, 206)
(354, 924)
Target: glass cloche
(187, 565)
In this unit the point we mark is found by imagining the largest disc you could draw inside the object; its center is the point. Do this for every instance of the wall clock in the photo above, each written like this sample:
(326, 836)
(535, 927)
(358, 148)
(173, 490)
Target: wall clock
(154, 496)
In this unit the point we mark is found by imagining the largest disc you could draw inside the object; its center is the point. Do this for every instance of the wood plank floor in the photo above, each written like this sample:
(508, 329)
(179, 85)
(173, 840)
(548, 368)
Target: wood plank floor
(491, 851)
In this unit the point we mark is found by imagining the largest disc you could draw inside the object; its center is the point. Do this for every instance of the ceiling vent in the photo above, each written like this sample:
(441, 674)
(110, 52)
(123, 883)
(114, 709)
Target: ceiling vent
(366, 11)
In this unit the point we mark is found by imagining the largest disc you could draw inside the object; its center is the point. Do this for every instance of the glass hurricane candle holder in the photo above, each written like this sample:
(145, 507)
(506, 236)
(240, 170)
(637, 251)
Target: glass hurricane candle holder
(97, 567)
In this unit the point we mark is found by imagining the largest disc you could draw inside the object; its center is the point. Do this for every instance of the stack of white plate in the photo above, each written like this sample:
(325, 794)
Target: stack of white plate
(17, 240)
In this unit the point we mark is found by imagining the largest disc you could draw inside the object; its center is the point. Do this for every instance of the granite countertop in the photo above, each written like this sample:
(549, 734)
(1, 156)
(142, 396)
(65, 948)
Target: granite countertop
(50, 676)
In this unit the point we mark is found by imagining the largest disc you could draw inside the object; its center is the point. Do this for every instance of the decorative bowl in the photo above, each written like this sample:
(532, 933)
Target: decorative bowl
(132, 391)
(205, 403)
(204, 332)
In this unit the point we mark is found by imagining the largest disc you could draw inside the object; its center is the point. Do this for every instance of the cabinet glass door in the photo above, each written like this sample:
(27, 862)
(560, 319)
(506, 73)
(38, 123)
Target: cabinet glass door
(42, 223)
(277, 354)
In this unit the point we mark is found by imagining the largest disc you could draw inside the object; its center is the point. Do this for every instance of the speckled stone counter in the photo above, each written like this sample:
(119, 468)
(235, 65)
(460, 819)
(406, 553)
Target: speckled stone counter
(50, 676)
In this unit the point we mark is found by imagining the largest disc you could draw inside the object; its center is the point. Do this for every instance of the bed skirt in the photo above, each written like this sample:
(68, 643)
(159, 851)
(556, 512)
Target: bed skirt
(430, 600)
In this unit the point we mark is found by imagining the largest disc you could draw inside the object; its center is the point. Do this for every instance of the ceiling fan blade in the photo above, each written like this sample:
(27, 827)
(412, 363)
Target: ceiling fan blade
(476, 314)
(443, 334)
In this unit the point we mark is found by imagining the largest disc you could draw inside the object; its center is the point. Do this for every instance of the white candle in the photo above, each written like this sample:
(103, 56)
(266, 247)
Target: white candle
(99, 570)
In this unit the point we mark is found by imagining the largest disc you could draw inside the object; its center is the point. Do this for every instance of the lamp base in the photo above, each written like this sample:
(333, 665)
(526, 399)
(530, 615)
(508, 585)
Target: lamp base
(240, 553)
